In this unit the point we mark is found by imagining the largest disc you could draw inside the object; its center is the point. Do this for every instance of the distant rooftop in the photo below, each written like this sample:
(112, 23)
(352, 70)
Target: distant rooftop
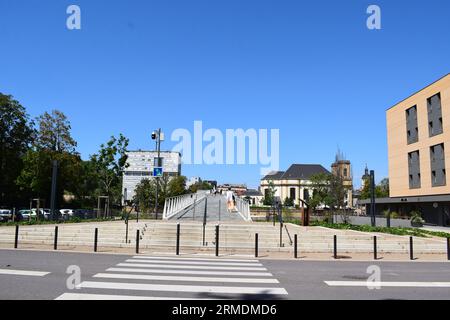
(297, 171)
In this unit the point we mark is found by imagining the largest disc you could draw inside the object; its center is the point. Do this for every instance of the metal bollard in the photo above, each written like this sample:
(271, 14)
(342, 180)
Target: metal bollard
(95, 239)
(16, 239)
(55, 243)
(375, 255)
(335, 246)
(256, 245)
(281, 234)
(448, 248)
(137, 241)
(178, 239)
(217, 240)
(411, 248)
(295, 246)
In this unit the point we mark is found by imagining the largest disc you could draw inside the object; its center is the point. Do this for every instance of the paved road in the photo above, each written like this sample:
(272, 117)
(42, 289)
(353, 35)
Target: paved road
(216, 210)
(42, 275)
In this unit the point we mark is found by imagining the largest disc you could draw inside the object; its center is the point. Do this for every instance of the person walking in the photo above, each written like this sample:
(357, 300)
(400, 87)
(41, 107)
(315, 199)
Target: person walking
(230, 202)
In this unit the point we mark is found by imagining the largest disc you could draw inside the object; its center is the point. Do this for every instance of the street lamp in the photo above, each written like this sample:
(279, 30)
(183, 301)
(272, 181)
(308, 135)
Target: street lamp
(158, 136)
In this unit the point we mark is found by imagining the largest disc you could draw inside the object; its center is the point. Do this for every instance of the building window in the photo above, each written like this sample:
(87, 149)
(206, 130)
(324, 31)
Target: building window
(437, 162)
(305, 194)
(412, 131)
(345, 172)
(434, 115)
(414, 170)
(292, 193)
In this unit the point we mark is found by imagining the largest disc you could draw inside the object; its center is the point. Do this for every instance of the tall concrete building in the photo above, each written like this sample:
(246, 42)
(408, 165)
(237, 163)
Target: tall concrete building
(141, 165)
(418, 134)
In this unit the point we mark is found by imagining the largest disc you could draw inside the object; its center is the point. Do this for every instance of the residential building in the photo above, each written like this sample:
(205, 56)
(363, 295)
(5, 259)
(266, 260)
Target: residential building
(141, 165)
(255, 197)
(238, 189)
(418, 135)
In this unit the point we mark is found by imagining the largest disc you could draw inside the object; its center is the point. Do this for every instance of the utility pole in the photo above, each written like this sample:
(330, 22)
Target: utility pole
(372, 197)
(157, 136)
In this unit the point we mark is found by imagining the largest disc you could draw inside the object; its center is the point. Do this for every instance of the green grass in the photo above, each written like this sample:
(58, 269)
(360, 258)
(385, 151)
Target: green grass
(393, 230)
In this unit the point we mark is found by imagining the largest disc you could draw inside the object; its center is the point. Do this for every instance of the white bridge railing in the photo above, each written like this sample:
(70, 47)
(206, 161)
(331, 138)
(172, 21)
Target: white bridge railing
(174, 205)
(243, 208)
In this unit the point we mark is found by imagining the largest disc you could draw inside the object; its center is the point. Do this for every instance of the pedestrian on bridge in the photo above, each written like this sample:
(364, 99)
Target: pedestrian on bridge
(230, 201)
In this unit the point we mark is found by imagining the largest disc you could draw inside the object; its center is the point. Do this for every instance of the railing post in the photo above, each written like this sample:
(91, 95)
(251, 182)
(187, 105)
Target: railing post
(178, 239)
(335, 246)
(55, 243)
(16, 239)
(95, 239)
(295, 246)
(281, 234)
(375, 255)
(217, 240)
(256, 245)
(137, 241)
(411, 248)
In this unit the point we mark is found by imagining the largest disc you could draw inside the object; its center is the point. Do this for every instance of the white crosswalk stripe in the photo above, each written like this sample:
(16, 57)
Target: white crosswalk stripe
(179, 278)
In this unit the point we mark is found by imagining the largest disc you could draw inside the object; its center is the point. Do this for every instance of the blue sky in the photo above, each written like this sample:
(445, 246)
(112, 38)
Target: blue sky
(309, 68)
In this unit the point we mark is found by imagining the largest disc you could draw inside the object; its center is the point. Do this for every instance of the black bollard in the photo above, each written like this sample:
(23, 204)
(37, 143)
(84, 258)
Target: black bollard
(217, 240)
(178, 239)
(375, 255)
(137, 241)
(411, 248)
(95, 239)
(448, 248)
(295, 247)
(55, 243)
(256, 245)
(335, 246)
(16, 240)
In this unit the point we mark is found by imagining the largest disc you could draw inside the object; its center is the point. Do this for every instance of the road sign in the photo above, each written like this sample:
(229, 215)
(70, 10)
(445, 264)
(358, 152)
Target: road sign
(158, 172)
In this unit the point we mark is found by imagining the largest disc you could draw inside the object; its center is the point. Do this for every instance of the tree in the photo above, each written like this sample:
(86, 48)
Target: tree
(269, 196)
(202, 185)
(36, 175)
(54, 132)
(108, 166)
(288, 202)
(16, 134)
(381, 190)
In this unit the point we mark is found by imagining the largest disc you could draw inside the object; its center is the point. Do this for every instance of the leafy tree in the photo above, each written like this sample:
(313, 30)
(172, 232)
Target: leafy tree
(288, 202)
(203, 185)
(269, 197)
(54, 132)
(16, 134)
(381, 190)
(108, 166)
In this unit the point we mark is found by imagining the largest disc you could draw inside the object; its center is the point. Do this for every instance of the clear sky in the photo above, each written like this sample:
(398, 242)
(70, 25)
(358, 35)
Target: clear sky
(311, 69)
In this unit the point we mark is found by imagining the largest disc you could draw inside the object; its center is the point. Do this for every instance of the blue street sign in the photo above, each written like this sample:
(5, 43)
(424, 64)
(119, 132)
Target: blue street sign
(157, 172)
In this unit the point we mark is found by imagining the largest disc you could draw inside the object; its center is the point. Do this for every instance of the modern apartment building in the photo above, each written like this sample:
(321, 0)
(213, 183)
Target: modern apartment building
(418, 134)
(141, 164)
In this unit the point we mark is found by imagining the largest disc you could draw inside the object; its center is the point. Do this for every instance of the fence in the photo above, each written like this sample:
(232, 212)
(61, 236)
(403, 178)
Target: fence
(174, 205)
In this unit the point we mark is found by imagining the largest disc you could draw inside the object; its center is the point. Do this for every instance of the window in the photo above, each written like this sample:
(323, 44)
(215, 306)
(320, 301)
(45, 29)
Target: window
(306, 194)
(345, 172)
(437, 162)
(414, 170)
(434, 115)
(412, 131)
(292, 193)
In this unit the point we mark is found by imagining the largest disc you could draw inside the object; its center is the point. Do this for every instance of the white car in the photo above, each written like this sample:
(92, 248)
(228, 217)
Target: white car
(66, 213)
(5, 215)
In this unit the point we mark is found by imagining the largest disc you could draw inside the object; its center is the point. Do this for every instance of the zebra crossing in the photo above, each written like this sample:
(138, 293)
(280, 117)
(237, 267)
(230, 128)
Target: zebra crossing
(146, 277)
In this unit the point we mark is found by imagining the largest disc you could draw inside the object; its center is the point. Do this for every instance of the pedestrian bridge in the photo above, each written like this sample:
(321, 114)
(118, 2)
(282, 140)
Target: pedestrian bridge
(204, 207)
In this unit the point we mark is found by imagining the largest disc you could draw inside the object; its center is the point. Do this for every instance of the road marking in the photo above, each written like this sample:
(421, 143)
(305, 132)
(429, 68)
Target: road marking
(195, 259)
(190, 267)
(24, 273)
(91, 296)
(217, 273)
(181, 288)
(197, 263)
(388, 284)
(181, 278)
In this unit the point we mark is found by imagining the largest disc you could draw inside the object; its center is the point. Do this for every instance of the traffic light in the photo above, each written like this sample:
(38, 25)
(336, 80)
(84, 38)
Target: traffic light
(154, 134)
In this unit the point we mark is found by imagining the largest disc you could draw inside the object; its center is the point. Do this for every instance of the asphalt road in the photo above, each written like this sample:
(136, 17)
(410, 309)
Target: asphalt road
(43, 275)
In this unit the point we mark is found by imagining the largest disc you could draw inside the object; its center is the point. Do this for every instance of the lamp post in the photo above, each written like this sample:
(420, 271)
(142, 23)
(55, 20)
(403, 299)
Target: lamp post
(158, 136)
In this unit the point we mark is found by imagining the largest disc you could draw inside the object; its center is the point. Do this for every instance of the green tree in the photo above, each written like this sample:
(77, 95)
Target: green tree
(16, 134)
(269, 196)
(108, 166)
(54, 132)
(202, 185)
(381, 190)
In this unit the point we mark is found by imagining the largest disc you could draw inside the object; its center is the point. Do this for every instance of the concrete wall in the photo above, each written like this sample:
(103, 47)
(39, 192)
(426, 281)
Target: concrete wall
(380, 222)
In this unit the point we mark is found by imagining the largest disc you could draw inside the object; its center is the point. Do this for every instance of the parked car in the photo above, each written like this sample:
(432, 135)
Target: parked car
(5, 215)
(66, 214)
(23, 214)
(84, 213)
